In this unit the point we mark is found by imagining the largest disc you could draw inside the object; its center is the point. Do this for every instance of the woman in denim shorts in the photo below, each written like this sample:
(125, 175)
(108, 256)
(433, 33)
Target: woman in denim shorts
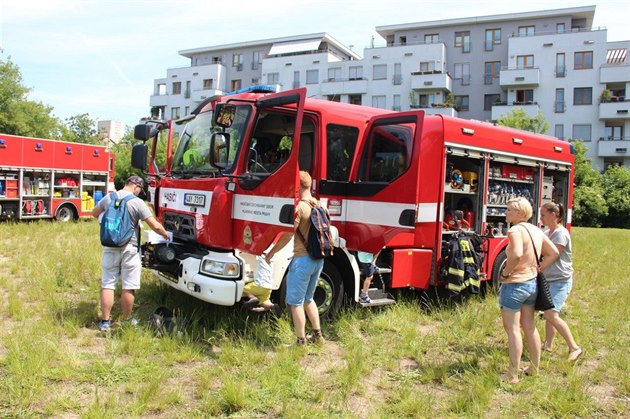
(518, 285)
(560, 278)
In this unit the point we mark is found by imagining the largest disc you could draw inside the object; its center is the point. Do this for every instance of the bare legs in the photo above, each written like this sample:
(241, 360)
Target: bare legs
(299, 317)
(554, 322)
(127, 298)
(512, 323)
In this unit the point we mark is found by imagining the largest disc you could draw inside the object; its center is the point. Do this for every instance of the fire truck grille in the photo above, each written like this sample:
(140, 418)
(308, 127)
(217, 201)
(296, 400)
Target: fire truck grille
(182, 226)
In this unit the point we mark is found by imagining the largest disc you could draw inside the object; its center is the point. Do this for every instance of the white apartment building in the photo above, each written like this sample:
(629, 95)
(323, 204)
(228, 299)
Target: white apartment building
(481, 68)
(111, 130)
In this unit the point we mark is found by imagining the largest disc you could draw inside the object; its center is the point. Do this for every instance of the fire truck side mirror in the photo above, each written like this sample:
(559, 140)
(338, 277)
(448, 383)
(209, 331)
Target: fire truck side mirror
(219, 150)
(144, 132)
(139, 156)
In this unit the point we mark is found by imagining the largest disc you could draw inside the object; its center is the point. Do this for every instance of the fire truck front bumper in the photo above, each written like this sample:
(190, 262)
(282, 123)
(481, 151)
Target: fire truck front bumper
(212, 279)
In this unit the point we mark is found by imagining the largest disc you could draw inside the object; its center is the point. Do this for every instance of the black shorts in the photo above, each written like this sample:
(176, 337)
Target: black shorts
(367, 269)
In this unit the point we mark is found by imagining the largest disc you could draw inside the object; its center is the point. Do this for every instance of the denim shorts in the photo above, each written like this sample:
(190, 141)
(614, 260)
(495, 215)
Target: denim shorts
(559, 292)
(513, 296)
(302, 279)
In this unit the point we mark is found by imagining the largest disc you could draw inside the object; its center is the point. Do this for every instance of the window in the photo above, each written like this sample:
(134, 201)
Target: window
(403, 40)
(256, 60)
(235, 85)
(397, 74)
(462, 72)
(526, 30)
(341, 143)
(379, 102)
(354, 99)
(161, 89)
(387, 152)
(559, 131)
(583, 96)
(186, 110)
(174, 113)
(207, 84)
(524, 61)
(583, 60)
(296, 79)
(492, 70)
(355, 73)
(379, 71)
(490, 100)
(524, 97)
(237, 61)
(582, 132)
(493, 37)
(425, 67)
(559, 103)
(560, 27)
(177, 88)
(461, 103)
(432, 38)
(426, 101)
(396, 106)
(334, 74)
(560, 67)
(273, 78)
(255, 81)
(613, 132)
(462, 40)
(312, 76)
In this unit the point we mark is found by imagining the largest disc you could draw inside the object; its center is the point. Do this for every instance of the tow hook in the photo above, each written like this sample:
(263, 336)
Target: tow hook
(193, 287)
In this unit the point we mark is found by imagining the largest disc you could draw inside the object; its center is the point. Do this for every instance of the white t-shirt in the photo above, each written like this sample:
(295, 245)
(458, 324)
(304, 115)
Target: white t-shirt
(562, 268)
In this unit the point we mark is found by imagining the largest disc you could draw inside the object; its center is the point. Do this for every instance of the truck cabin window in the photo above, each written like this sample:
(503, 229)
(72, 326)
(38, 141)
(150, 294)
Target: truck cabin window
(386, 153)
(192, 155)
(341, 142)
(272, 142)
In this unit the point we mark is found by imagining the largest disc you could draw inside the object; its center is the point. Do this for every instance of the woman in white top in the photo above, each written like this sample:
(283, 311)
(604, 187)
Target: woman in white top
(560, 278)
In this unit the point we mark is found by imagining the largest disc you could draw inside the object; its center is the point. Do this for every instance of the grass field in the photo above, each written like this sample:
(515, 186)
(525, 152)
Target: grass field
(422, 357)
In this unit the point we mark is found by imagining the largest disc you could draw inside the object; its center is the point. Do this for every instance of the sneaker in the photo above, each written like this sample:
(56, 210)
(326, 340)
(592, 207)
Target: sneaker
(364, 298)
(131, 321)
(300, 342)
(316, 338)
(105, 325)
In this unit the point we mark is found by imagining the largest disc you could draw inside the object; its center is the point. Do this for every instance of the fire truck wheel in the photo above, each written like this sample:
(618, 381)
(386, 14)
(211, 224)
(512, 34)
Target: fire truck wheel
(329, 292)
(64, 214)
(499, 264)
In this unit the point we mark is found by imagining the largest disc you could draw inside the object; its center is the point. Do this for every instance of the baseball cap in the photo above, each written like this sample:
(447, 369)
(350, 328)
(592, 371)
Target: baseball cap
(136, 180)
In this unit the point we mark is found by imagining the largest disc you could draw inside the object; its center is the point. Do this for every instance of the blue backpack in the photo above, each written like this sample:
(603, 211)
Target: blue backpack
(116, 227)
(320, 241)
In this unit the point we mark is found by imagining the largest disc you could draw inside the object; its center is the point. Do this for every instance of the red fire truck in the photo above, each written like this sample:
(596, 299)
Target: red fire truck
(399, 184)
(52, 179)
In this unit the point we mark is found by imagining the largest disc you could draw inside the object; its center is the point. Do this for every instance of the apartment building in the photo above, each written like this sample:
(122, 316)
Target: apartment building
(552, 61)
(111, 130)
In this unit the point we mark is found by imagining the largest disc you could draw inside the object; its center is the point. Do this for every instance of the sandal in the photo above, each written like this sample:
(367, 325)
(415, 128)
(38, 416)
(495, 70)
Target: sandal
(508, 379)
(575, 354)
(529, 371)
(251, 303)
(545, 348)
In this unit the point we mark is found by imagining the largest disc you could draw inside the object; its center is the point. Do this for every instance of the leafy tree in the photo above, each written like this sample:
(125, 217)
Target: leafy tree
(82, 129)
(18, 115)
(519, 119)
(616, 185)
(589, 205)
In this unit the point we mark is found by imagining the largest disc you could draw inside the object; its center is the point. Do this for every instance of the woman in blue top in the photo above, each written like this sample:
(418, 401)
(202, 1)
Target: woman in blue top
(560, 278)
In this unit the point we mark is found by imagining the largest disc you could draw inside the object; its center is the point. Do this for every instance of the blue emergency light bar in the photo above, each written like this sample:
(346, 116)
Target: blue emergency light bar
(259, 88)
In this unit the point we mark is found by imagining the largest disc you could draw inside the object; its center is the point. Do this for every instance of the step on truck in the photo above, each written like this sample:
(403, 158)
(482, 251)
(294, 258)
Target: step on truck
(50, 179)
(397, 184)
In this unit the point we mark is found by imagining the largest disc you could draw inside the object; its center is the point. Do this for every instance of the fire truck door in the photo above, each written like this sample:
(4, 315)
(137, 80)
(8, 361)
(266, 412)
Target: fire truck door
(382, 195)
(268, 188)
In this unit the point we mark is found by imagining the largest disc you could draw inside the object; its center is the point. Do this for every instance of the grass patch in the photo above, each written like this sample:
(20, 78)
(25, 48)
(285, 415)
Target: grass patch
(426, 356)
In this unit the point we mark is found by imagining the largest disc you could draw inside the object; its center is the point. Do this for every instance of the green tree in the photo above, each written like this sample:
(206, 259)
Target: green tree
(616, 185)
(519, 119)
(20, 116)
(589, 205)
(82, 129)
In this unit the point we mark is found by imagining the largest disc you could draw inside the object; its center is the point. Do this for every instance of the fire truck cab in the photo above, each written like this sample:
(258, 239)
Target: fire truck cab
(397, 184)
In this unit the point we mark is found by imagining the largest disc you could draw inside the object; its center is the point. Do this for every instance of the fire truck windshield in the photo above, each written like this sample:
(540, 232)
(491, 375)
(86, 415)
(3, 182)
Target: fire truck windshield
(192, 155)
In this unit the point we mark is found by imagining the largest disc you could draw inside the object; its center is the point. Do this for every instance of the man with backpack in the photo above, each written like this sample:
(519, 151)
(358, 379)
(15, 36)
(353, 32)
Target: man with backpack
(122, 211)
(304, 269)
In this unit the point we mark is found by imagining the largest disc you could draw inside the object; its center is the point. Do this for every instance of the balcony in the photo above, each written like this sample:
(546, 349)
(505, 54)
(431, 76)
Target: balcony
(514, 77)
(344, 86)
(619, 110)
(614, 74)
(613, 147)
(159, 100)
(500, 110)
(430, 80)
(200, 95)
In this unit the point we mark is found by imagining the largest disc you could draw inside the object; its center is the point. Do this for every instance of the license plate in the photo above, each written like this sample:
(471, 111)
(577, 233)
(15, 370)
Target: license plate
(195, 200)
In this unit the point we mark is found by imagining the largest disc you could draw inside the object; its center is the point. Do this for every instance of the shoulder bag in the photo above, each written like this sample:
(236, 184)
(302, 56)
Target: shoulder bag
(543, 298)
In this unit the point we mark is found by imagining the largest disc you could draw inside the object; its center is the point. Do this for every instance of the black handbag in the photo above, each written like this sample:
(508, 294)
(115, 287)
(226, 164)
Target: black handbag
(544, 301)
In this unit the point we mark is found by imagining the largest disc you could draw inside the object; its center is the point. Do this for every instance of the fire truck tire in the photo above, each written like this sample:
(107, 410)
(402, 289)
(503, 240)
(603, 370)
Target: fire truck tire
(499, 264)
(65, 213)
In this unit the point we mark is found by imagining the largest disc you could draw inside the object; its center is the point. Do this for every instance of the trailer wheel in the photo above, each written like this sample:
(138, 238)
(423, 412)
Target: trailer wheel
(65, 213)
(499, 264)
(328, 292)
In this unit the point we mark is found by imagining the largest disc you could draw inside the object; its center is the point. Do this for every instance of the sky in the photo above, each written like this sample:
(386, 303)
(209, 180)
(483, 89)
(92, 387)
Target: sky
(101, 56)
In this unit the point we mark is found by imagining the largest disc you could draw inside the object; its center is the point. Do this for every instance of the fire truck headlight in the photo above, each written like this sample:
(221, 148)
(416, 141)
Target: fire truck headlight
(222, 269)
